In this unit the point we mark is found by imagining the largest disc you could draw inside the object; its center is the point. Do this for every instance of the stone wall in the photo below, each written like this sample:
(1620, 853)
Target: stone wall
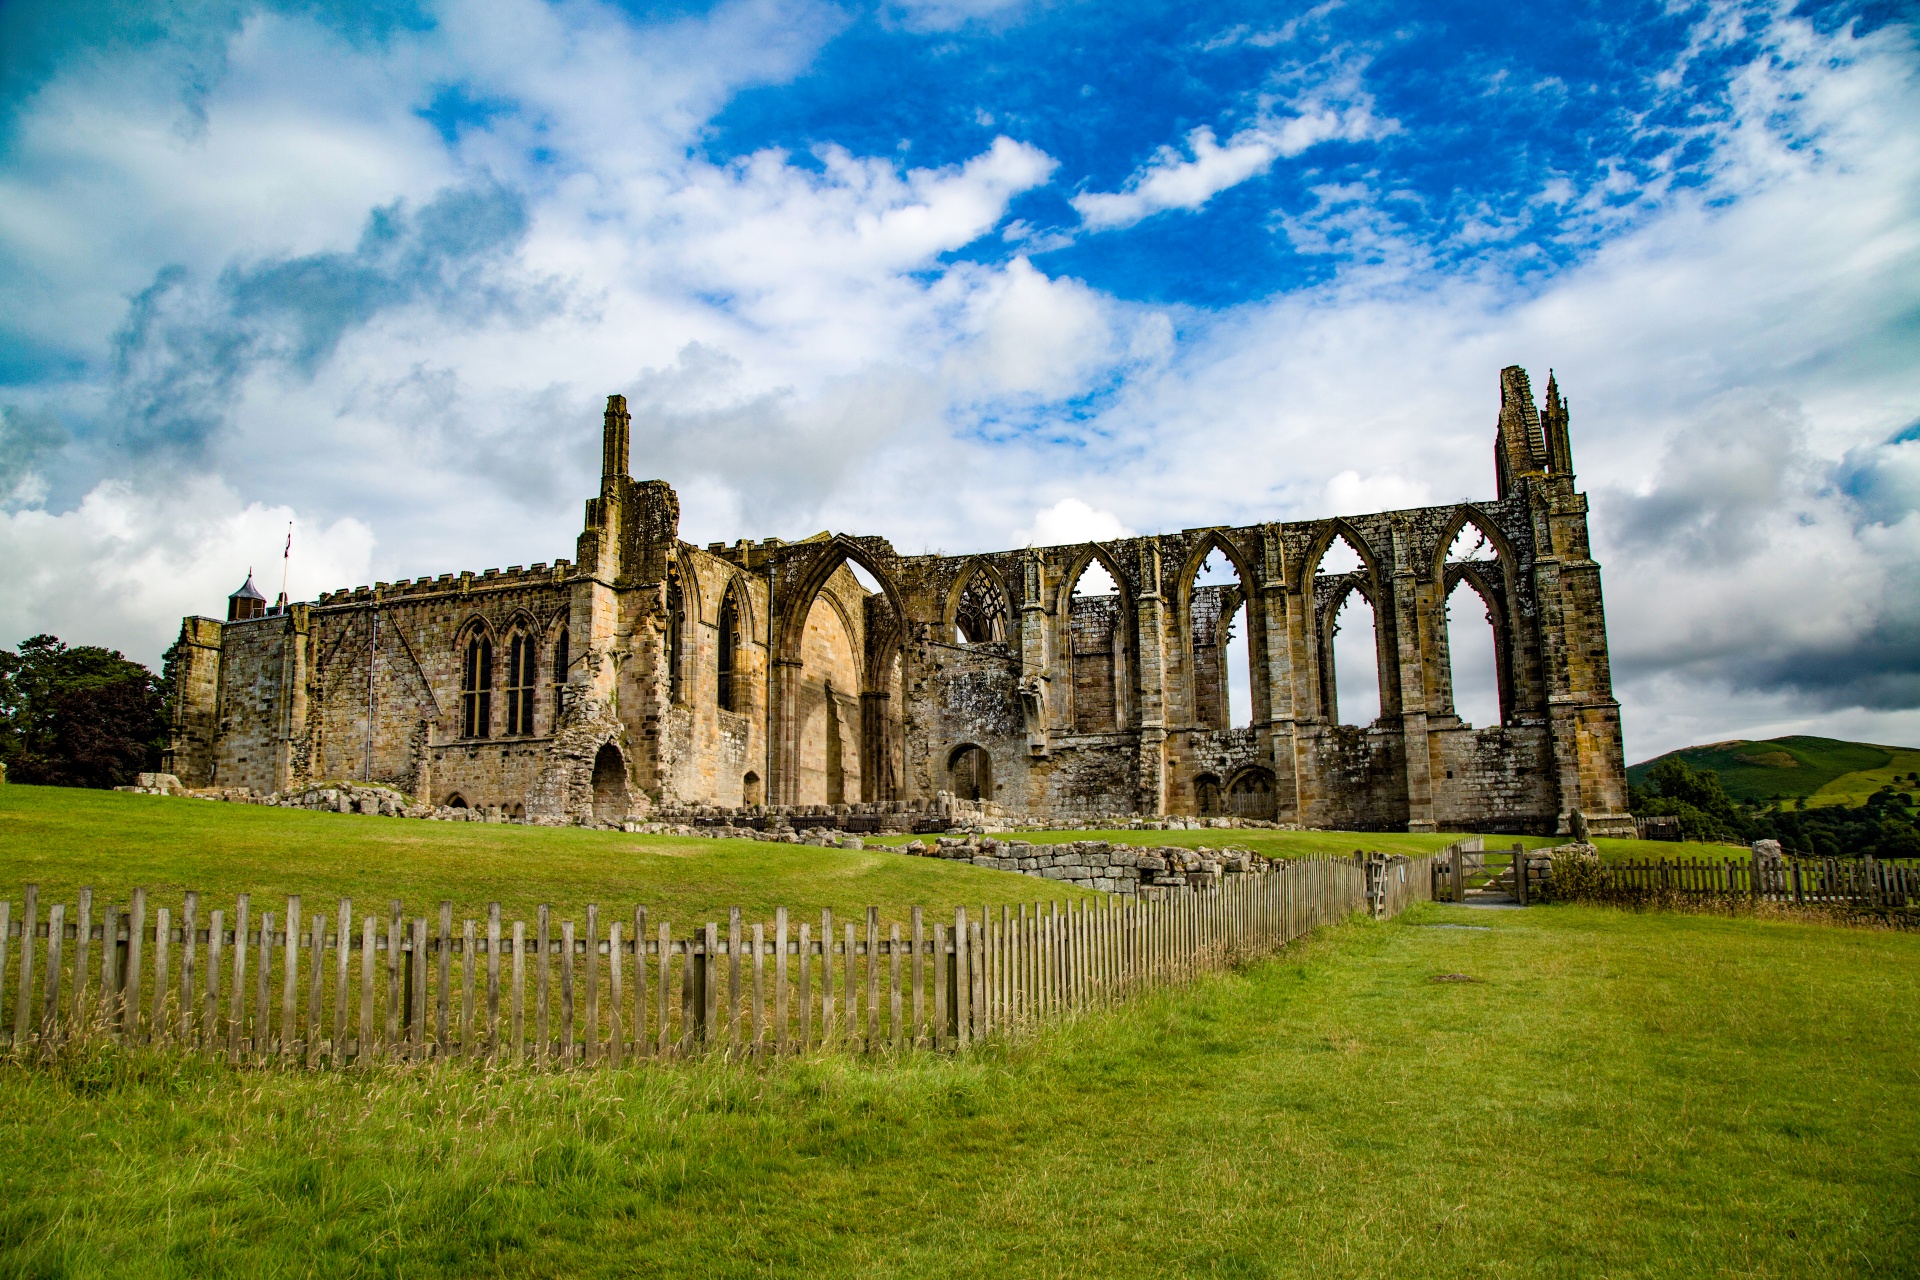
(1112, 707)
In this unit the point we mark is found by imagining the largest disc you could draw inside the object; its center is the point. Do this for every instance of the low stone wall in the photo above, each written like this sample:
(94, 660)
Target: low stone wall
(1101, 865)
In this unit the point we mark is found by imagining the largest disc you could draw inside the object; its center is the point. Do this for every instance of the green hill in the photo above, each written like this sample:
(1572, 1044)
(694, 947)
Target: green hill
(1825, 769)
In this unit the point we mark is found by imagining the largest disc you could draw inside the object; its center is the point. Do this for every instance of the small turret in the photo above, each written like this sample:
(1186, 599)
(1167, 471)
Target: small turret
(1553, 419)
(247, 602)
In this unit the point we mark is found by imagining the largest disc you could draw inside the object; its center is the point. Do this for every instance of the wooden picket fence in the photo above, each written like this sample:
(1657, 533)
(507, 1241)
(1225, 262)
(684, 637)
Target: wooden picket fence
(1857, 883)
(357, 989)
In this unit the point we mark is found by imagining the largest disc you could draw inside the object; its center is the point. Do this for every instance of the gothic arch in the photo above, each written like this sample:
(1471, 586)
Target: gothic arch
(1317, 551)
(1214, 540)
(1183, 596)
(1088, 553)
(1325, 618)
(1475, 577)
(476, 654)
(1125, 633)
(736, 590)
(785, 688)
(476, 623)
(813, 579)
(984, 570)
(1465, 515)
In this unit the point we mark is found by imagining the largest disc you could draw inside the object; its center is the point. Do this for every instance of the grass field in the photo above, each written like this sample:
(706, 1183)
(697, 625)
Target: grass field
(1611, 1095)
(1853, 789)
(63, 838)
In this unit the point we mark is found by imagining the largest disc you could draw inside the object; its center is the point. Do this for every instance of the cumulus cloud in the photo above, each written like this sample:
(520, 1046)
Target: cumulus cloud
(126, 564)
(1068, 521)
(1349, 493)
(1187, 179)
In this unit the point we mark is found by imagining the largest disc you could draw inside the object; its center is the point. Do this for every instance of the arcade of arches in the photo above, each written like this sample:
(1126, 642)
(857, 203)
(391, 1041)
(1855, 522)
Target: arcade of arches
(1198, 672)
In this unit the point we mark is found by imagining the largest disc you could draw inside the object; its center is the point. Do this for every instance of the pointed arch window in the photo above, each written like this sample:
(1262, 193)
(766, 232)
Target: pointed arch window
(981, 616)
(520, 678)
(476, 688)
(560, 662)
(729, 653)
(676, 608)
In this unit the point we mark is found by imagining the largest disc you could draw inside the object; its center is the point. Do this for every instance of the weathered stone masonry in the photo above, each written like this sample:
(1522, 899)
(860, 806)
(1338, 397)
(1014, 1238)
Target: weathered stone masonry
(650, 675)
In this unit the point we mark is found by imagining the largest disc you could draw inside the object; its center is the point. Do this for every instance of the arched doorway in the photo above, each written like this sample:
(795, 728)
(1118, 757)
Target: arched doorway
(1251, 794)
(970, 773)
(1208, 797)
(611, 799)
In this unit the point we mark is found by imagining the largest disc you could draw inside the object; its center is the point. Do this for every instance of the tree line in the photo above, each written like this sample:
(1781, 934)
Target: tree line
(1884, 827)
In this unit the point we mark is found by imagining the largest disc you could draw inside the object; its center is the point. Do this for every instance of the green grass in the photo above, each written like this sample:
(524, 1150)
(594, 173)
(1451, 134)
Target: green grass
(1615, 1095)
(63, 838)
(1853, 789)
(1791, 767)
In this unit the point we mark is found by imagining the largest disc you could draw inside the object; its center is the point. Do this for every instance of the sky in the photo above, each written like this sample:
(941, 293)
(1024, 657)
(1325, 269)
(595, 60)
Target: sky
(971, 274)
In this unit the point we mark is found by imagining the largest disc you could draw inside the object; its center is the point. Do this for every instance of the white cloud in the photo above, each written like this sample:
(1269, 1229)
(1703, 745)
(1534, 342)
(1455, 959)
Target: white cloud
(1068, 521)
(123, 567)
(1177, 180)
(1351, 494)
(1030, 335)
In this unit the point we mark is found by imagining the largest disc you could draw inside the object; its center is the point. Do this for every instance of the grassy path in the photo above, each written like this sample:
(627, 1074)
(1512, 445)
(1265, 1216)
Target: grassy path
(1614, 1095)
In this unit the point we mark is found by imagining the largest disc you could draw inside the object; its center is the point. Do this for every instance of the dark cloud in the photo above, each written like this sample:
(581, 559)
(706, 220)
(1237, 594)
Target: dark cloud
(1821, 553)
(27, 438)
(185, 347)
(1719, 482)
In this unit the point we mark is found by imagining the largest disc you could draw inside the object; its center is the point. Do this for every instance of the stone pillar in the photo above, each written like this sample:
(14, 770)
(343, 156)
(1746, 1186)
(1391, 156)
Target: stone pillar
(1584, 718)
(784, 786)
(1036, 677)
(1274, 690)
(1412, 630)
(1150, 646)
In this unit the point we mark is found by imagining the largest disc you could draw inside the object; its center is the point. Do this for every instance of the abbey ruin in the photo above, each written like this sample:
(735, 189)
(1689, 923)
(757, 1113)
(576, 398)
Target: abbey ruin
(647, 675)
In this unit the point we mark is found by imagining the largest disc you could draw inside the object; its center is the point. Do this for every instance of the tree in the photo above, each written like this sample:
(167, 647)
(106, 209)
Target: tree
(1706, 812)
(80, 717)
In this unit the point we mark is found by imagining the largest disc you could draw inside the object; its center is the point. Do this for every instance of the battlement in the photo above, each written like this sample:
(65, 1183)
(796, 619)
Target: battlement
(451, 584)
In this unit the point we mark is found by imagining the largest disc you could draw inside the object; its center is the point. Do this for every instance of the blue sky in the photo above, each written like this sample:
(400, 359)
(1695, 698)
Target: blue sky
(969, 272)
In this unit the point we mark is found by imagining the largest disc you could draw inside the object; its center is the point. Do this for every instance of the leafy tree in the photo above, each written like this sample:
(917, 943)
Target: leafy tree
(1706, 812)
(79, 717)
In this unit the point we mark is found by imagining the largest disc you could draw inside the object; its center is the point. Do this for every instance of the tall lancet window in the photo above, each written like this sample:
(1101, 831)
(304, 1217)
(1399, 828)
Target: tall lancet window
(729, 644)
(520, 677)
(560, 663)
(676, 606)
(477, 688)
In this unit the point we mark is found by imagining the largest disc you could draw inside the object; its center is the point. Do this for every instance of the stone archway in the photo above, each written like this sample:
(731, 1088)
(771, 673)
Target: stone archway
(611, 797)
(1250, 795)
(970, 773)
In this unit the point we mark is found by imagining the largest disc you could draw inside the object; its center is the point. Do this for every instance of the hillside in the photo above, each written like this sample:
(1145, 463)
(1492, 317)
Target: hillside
(1826, 770)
